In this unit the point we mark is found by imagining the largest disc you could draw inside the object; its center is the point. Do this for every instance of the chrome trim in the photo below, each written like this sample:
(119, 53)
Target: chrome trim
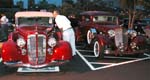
(20, 64)
(36, 46)
(118, 37)
(121, 39)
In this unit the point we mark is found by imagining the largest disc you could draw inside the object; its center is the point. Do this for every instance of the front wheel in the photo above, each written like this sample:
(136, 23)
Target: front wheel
(98, 50)
(90, 35)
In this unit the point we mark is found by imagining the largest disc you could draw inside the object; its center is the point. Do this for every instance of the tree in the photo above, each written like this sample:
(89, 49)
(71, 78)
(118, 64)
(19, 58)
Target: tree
(43, 4)
(129, 6)
(67, 8)
(146, 5)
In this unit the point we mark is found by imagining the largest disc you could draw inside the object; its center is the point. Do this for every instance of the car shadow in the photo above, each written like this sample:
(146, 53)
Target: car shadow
(5, 70)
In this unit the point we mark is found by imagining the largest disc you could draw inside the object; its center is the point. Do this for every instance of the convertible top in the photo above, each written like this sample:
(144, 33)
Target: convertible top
(33, 14)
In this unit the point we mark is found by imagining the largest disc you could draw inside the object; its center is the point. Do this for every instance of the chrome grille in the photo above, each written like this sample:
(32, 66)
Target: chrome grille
(36, 45)
(121, 39)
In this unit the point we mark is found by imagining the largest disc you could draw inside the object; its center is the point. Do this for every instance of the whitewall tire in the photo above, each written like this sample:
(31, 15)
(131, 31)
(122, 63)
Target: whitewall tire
(98, 50)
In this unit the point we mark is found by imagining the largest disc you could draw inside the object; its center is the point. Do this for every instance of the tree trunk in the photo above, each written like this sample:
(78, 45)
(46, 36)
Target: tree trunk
(130, 19)
(133, 18)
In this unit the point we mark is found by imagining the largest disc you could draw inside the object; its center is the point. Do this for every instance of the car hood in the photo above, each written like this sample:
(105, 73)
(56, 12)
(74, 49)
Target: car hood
(26, 30)
(107, 26)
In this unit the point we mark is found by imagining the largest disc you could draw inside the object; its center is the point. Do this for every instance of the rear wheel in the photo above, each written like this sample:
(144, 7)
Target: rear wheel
(98, 50)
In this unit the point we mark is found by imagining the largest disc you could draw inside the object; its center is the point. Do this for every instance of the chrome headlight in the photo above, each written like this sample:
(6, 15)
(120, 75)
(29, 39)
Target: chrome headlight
(21, 42)
(52, 42)
(111, 33)
(133, 33)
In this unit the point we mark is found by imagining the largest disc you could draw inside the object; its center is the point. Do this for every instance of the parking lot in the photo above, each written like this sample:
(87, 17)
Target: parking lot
(109, 60)
(86, 67)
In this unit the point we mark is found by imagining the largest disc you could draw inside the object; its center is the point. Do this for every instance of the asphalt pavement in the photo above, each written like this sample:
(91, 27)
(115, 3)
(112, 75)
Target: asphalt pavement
(80, 68)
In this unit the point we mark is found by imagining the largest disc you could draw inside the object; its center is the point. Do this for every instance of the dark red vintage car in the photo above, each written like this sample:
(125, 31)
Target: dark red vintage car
(35, 43)
(147, 32)
(101, 31)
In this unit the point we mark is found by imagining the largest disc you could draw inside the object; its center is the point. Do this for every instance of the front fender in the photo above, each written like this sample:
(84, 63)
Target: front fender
(140, 40)
(62, 51)
(9, 51)
(103, 40)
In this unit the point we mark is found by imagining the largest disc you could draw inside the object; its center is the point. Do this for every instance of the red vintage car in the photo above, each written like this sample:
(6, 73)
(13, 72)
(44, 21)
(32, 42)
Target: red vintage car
(35, 43)
(147, 31)
(101, 31)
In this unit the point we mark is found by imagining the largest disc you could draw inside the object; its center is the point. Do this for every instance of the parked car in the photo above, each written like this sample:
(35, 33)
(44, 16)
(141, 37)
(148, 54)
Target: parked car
(138, 25)
(146, 21)
(104, 35)
(147, 32)
(35, 43)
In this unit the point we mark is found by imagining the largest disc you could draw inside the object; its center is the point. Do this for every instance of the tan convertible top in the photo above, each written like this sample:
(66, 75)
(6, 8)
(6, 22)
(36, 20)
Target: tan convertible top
(33, 14)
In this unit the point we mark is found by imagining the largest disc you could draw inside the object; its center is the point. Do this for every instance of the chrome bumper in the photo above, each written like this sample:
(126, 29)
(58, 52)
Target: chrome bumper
(117, 52)
(20, 64)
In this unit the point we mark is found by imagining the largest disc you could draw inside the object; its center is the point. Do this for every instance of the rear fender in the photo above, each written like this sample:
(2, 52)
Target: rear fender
(62, 51)
(10, 51)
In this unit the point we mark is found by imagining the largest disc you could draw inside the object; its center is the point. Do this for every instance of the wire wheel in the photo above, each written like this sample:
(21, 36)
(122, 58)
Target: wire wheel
(98, 50)
(90, 36)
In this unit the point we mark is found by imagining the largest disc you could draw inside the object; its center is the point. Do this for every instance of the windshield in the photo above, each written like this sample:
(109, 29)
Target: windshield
(29, 21)
(111, 19)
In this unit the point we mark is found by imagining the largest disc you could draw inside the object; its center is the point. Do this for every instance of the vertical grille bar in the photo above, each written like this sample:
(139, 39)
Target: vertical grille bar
(41, 48)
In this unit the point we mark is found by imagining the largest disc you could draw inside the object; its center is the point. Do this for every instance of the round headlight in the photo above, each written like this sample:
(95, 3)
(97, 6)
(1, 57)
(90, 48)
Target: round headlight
(111, 33)
(21, 42)
(133, 33)
(52, 42)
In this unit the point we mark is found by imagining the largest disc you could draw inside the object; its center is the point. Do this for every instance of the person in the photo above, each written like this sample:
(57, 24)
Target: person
(74, 21)
(4, 27)
(64, 25)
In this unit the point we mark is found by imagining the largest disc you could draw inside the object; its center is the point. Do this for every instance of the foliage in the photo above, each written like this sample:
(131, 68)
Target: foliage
(130, 8)
(146, 4)
(83, 5)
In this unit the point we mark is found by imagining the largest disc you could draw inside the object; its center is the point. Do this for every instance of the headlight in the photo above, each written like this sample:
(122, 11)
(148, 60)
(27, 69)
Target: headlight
(21, 42)
(136, 27)
(133, 33)
(52, 42)
(111, 33)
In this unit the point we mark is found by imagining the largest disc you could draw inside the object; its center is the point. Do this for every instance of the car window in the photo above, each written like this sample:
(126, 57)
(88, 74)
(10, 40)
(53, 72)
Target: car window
(42, 21)
(104, 19)
(86, 18)
(146, 21)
